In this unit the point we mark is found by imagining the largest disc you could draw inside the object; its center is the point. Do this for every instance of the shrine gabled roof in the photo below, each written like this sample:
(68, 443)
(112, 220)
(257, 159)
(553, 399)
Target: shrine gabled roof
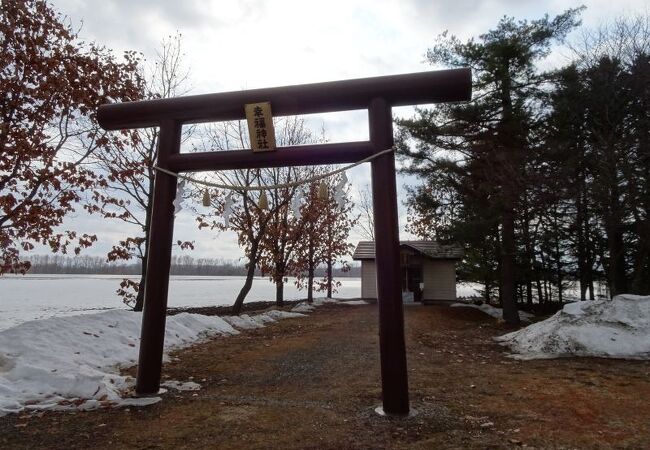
(429, 249)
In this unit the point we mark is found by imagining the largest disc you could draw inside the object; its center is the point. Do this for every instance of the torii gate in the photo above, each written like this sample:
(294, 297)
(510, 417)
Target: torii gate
(377, 95)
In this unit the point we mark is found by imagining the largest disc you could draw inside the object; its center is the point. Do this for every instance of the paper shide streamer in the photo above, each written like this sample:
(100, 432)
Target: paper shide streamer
(296, 203)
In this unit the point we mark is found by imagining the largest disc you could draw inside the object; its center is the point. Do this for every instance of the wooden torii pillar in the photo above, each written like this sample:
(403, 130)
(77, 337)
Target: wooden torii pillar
(378, 95)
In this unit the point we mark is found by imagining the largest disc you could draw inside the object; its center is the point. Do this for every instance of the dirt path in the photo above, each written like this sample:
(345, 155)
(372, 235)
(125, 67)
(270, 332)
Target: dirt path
(313, 383)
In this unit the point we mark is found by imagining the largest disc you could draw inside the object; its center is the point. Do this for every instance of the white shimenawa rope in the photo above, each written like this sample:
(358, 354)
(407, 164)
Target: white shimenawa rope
(273, 186)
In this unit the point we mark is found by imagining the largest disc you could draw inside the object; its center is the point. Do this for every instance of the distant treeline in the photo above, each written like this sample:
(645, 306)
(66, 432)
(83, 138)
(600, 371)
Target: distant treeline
(181, 265)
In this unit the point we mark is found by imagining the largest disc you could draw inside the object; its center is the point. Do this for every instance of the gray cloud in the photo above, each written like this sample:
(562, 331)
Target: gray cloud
(467, 18)
(136, 25)
(240, 44)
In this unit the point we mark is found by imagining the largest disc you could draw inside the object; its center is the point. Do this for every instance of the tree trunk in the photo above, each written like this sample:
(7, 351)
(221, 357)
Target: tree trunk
(310, 271)
(139, 300)
(546, 291)
(329, 277)
(558, 263)
(250, 273)
(583, 269)
(616, 272)
(509, 173)
(279, 281)
(508, 293)
(529, 254)
(641, 273)
(310, 283)
(279, 292)
(640, 279)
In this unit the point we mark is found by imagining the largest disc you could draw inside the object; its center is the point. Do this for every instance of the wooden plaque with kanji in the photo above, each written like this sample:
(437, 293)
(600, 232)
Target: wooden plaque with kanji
(260, 126)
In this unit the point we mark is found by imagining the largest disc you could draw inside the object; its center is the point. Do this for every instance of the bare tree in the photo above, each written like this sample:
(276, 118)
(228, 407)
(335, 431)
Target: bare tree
(266, 235)
(366, 223)
(128, 194)
(623, 38)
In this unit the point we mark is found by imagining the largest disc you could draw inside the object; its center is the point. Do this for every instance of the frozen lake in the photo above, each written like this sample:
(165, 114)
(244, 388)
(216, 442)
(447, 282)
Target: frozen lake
(30, 297)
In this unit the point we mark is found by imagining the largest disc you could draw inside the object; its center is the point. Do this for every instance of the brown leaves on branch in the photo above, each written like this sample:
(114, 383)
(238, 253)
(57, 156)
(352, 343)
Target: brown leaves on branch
(323, 239)
(52, 85)
(271, 238)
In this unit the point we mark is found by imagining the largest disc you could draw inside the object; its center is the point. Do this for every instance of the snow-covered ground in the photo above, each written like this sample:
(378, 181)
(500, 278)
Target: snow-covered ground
(490, 310)
(30, 297)
(468, 290)
(618, 328)
(74, 362)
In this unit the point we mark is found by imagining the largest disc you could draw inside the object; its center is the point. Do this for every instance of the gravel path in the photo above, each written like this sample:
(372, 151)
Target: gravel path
(313, 382)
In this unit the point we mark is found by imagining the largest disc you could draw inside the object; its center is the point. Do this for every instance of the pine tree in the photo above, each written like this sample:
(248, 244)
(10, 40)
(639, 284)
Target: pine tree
(485, 144)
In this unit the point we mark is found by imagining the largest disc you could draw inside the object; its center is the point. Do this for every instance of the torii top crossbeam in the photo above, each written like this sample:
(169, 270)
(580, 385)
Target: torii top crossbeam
(397, 90)
(378, 95)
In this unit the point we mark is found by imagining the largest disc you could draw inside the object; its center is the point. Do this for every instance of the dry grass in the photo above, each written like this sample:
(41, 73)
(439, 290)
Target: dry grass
(313, 383)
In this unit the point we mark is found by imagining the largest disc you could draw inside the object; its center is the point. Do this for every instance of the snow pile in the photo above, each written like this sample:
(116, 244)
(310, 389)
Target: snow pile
(180, 386)
(619, 328)
(353, 302)
(303, 308)
(74, 362)
(324, 300)
(246, 322)
(490, 310)
(279, 315)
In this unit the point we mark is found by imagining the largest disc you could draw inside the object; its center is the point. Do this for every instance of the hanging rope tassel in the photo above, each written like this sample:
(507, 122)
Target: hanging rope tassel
(227, 210)
(274, 186)
(206, 198)
(178, 201)
(263, 203)
(322, 191)
(296, 204)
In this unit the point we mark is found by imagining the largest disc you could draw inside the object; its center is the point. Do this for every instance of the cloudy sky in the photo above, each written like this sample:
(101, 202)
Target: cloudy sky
(245, 44)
